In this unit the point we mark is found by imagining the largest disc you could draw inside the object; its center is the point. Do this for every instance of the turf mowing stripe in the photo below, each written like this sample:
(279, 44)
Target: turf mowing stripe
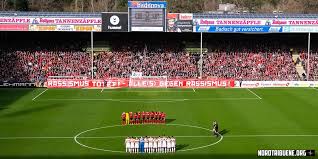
(159, 100)
(39, 94)
(254, 93)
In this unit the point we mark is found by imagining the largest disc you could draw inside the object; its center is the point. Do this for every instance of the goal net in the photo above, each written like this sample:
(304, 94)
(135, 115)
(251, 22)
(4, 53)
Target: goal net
(148, 82)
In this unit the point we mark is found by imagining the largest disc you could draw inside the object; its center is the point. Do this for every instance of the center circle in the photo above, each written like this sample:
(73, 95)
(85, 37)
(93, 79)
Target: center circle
(81, 135)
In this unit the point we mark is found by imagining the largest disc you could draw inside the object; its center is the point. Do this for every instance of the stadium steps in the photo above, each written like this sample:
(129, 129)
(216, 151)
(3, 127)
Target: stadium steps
(300, 69)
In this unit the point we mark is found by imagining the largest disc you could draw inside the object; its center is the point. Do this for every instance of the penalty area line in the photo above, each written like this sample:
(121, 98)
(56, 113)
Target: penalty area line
(254, 93)
(40, 94)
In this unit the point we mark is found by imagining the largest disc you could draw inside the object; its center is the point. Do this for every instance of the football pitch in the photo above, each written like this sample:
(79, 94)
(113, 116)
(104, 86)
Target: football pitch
(86, 123)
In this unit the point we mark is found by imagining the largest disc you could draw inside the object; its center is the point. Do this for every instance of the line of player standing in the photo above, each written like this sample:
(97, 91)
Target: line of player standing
(143, 118)
(150, 144)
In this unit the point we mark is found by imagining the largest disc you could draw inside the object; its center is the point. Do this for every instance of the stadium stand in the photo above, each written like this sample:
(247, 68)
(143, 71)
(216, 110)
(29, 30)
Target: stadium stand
(171, 64)
(36, 66)
(250, 66)
(313, 75)
(246, 59)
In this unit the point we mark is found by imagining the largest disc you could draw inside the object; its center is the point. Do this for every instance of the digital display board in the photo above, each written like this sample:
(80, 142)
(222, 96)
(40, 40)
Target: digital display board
(147, 16)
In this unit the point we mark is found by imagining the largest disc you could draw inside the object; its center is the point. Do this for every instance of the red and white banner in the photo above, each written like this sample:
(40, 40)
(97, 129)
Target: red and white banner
(63, 21)
(14, 27)
(142, 83)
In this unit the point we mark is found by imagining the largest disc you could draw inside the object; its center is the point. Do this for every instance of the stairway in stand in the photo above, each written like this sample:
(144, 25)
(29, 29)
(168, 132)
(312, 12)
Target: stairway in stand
(300, 69)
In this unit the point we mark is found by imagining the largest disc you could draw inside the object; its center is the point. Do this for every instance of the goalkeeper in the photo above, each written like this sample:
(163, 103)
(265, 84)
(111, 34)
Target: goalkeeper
(127, 118)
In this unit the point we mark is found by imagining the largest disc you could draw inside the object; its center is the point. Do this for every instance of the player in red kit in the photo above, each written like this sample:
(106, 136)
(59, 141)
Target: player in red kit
(135, 118)
(159, 117)
(143, 114)
(123, 118)
(138, 118)
(151, 117)
(131, 117)
(147, 117)
(163, 116)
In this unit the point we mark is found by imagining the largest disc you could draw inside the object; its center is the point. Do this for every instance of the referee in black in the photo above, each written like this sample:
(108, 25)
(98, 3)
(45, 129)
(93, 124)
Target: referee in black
(215, 129)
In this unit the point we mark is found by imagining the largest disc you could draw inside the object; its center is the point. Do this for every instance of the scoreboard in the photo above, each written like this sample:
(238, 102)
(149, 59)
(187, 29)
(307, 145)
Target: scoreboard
(147, 16)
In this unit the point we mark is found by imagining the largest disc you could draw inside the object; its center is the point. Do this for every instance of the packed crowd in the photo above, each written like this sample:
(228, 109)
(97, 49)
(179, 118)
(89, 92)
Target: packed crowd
(240, 64)
(250, 66)
(121, 64)
(313, 74)
(36, 66)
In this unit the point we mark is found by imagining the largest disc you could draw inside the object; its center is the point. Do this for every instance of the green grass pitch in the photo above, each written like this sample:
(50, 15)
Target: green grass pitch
(40, 123)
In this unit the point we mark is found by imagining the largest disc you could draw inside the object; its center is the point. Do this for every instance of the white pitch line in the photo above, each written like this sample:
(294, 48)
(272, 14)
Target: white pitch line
(254, 93)
(39, 94)
(108, 137)
(297, 135)
(102, 90)
(35, 137)
(150, 91)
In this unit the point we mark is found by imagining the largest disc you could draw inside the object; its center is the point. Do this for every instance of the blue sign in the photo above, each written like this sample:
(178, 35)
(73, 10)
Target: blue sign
(147, 4)
(239, 29)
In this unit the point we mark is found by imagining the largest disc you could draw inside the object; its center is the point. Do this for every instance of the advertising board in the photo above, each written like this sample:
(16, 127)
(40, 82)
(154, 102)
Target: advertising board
(179, 22)
(264, 84)
(115, 22)
(240, 29)
(14, 27)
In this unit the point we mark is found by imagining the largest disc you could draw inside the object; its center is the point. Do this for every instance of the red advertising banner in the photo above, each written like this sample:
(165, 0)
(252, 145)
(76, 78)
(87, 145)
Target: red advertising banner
(142, 83)
(14, 27)
(44, 21)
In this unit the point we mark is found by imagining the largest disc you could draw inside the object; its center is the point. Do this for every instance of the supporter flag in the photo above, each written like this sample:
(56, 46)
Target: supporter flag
(136, 74)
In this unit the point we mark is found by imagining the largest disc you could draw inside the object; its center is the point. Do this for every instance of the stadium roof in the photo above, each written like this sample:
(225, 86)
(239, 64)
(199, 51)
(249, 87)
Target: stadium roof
(253, 15)
(48, 14)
